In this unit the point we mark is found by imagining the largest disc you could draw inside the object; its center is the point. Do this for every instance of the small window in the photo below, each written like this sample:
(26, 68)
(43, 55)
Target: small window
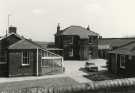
(26, 58)
(71, 54)
(3, 57)
(90, 39)
(122, 61)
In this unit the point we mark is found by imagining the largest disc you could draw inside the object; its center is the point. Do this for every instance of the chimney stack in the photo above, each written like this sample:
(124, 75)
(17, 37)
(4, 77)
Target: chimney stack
(88, 28)
(58, 28)
(12, 30)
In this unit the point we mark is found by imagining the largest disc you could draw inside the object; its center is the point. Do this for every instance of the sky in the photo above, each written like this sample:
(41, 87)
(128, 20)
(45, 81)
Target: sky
(38, 19)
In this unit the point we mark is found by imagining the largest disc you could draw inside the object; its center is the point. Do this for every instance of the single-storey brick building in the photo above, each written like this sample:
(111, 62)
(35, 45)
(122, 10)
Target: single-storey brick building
(23, 57)
(122, 60)
(109, 44)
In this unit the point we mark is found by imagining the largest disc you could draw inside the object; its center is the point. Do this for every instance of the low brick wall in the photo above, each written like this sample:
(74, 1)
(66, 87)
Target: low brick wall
(108, 86)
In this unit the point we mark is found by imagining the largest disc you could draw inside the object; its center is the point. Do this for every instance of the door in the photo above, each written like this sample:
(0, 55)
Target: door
(83, 53)
(114, 63)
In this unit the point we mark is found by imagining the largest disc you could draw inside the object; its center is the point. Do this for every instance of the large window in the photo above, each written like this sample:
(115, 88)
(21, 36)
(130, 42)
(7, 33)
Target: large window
(68, 39)
(122, 61)
(27, 58)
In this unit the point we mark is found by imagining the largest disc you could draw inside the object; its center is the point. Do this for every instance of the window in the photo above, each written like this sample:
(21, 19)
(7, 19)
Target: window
(3, 57)
(68, 39)
(26, 58)
(71, 54)
(92, 39)
(122, 61)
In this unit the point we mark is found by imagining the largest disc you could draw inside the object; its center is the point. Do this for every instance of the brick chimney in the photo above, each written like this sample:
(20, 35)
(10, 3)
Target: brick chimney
(58, 28)
(12, 29)
(88, 28)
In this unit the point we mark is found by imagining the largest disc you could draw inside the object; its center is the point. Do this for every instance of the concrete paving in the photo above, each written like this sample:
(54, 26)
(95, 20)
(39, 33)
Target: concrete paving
(72, 70)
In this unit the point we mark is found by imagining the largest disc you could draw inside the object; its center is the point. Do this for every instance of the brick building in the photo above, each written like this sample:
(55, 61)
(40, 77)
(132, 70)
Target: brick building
(23, 57)
(77, 42)
(121, 61)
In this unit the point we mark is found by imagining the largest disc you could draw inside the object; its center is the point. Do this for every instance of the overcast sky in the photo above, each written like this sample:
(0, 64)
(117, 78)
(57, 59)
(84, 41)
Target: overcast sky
(37, 19)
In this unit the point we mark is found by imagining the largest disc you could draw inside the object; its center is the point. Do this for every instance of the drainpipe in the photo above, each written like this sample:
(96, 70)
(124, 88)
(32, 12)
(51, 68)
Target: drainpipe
(62, 65)
(37, 61)
(116, 63)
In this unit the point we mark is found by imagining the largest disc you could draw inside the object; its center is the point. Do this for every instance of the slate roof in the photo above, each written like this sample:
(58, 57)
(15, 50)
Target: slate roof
(44, 44)
(10, 34)
(128, 49)
(24, 44)
(48, 45)
(79, 31)
(115, 42)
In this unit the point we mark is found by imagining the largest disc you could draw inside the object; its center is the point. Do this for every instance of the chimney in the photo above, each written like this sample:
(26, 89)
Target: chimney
(88, 28)
(100, 37)
(12, 30)
(58, 28)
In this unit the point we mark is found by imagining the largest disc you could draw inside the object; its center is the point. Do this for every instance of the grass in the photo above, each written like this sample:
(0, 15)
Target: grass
(102, 75)
(52, 82)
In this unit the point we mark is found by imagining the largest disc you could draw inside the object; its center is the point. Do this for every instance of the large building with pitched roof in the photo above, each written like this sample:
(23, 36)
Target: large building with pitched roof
(20, 56)
(78, 43)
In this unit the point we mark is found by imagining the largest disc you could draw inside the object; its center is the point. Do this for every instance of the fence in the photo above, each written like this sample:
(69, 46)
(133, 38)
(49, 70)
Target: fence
(51, 63)
(108, 86)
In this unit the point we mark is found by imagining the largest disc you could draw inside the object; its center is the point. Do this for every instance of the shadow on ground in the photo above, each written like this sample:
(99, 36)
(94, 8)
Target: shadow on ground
(100, 75)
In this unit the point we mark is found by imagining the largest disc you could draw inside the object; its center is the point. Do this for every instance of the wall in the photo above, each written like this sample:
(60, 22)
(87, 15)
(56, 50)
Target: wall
(15, 64)
(108, 86)
(3, 70)
(114, 66)
(4, 43)
(75, 46)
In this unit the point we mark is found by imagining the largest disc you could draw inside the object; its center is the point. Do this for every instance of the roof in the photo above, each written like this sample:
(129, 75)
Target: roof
(24, 44)
(126, 50)
(115, 42)
(9, 34)
(54, 49)
(79, 31)
(46, 44)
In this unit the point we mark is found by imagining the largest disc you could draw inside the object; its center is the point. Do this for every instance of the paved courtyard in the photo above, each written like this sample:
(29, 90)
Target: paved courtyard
(72, 70)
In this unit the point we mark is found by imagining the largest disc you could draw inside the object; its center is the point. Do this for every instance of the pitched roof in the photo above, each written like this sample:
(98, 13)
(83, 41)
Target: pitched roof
(79, 31)
(128, 49)
(44, 44)
(5, 36)
(115, 42)
(24, 44)
(124, 52)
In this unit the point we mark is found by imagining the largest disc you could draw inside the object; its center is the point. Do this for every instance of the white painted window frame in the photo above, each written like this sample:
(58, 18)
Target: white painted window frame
(121, 62)
(29, 59)
(71, 54)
